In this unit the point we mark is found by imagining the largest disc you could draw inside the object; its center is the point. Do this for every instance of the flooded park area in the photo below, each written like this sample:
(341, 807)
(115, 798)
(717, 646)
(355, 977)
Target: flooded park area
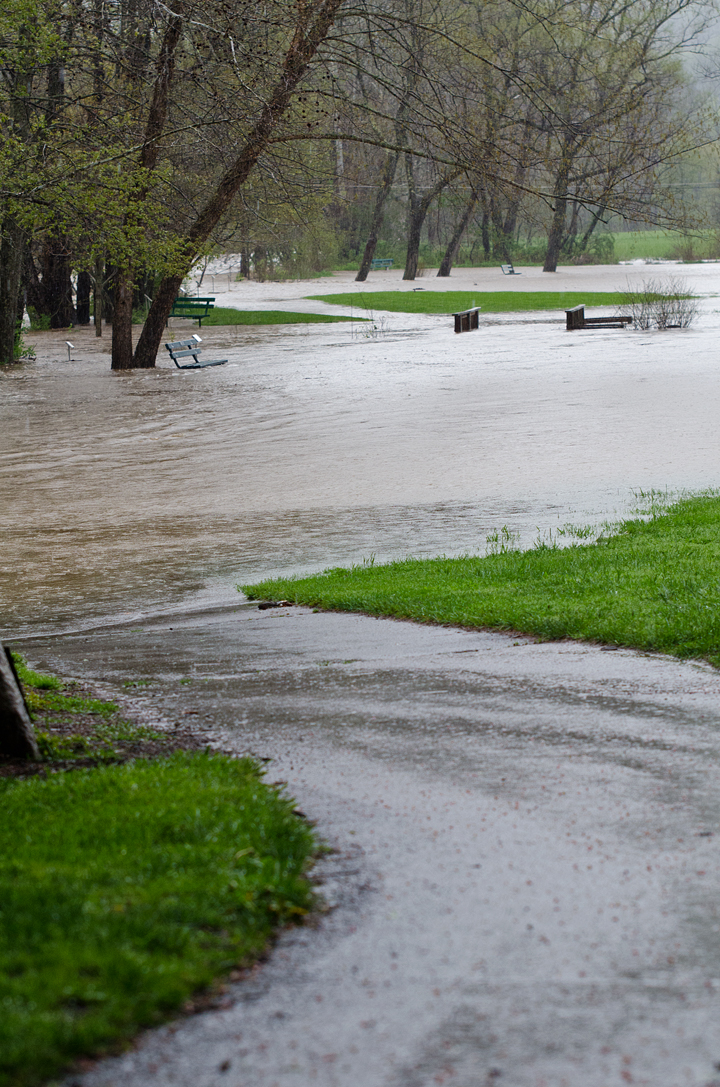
(522, 879)
(317, 445)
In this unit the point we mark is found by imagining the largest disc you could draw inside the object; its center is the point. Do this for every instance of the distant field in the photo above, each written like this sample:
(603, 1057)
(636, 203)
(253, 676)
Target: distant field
(398, 301)
(226, 316)
(663, 243)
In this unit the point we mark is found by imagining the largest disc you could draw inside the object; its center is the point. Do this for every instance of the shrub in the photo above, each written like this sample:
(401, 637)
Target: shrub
(660, 303)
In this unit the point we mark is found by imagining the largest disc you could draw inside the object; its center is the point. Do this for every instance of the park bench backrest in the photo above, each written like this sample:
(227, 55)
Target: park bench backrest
(467, 319)
(182, 349)
(574, 318)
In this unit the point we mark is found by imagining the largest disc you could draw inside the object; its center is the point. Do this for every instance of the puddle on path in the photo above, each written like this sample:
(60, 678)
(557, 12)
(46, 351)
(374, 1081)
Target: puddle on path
(124, 494)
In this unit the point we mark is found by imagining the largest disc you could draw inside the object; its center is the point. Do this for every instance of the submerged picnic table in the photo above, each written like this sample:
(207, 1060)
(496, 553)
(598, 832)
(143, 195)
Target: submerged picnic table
(575, 318)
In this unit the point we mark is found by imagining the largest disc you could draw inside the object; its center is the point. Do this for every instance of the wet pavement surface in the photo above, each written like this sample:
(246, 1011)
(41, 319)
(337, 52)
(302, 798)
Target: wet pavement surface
(523, 887)
(524, 884)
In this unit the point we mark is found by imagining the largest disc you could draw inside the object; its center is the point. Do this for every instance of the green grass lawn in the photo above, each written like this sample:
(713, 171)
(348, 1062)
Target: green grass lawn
(223, 315)
(126, 887)
(659, 244)
(398, 301)
(652, 585)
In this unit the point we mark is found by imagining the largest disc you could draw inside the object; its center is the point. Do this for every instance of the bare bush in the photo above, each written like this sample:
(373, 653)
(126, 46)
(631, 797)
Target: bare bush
(660, 303)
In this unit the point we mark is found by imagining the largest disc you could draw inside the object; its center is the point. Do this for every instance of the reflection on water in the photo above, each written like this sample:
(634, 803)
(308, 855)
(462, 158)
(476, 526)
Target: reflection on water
(123, 493)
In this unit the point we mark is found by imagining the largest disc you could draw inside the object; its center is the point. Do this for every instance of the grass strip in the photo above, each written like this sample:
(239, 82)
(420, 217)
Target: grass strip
(125, 888)
(422, 301)
(652, 585)
(74, 727)
(223, 315)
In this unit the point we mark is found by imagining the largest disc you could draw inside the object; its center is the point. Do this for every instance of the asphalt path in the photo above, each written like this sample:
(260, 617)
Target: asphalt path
(523, 886)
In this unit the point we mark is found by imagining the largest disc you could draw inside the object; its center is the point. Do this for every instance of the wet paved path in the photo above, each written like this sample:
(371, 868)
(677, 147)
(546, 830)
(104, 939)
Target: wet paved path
(526, 844)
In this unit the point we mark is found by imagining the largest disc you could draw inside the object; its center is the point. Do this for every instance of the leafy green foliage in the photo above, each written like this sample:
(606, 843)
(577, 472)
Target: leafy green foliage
(125, 888)
(653, 585)
(400, 301)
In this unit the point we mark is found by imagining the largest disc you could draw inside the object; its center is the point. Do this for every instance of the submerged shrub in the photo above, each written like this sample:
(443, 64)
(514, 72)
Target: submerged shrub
(660, 303)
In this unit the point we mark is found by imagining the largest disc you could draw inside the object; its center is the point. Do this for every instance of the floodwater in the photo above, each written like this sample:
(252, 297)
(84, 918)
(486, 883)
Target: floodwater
(123, 494)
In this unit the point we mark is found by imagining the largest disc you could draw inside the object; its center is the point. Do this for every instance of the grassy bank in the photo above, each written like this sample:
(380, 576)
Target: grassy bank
(129, 885)
(652, 585)
(223, 315)
(425, 301)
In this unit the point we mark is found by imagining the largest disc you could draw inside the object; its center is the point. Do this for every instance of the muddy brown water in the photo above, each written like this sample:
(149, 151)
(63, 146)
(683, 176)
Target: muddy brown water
(318, 445)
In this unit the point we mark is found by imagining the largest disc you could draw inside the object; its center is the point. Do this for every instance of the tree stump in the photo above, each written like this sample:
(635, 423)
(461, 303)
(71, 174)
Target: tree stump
(17, 737)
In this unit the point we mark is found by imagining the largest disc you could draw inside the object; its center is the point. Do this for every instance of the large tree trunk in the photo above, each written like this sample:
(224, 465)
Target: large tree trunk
(122, 350)
(57, 282)
(82, 297)
(418, 211)
(98, 299)
(378, 215)
(306, 41)
(485, 226)
(556, 235)
(12, 243)
(17, 738)
(454, 244)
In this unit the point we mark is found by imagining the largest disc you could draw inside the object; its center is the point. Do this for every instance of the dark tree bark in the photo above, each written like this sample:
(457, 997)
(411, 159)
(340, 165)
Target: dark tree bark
(378, 215)
(122, 352)
(57, 283)
(17, 738)
(485, 229)
(314, 23)
(454, 243)
(555, 237)
(98, 300)
(12, 247)
(419, 207)
(82, 297)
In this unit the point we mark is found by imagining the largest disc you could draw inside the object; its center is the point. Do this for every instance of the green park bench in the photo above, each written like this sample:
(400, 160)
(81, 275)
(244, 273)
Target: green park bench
(467, 319)
(575, 318)
(508, 270)
(182, 349)
(378, 263)
(195, 308)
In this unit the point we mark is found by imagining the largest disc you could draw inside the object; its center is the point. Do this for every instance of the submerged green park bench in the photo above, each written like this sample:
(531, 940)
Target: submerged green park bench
(381, 262)
(196, 308)
(182, 349)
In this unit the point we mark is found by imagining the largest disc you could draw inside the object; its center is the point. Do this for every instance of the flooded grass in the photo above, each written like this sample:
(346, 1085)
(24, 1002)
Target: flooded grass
(424, 301)
(223, 315)
(125, 889)
(654, 585)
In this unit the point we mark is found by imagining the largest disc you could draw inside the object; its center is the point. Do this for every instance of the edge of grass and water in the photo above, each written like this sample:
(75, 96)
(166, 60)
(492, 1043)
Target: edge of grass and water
(650, 583)
(223, 315)
(136, 873)
(447, 302)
